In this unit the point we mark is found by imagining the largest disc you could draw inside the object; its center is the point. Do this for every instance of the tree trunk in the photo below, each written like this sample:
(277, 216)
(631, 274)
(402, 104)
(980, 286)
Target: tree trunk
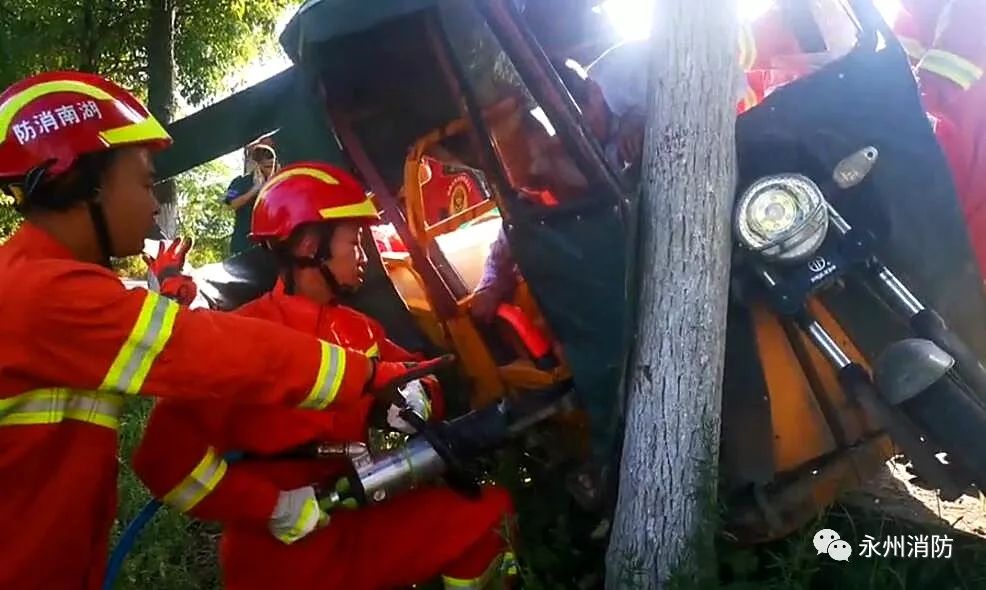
(87, 41)
(161, 92)
(670, 451)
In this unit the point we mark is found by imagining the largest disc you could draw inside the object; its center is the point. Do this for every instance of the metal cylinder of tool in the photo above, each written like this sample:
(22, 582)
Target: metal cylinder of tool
(399, 470)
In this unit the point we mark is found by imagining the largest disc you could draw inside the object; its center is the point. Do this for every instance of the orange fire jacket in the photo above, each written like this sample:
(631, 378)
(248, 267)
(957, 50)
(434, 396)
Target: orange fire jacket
(180, 458)
(74, 344)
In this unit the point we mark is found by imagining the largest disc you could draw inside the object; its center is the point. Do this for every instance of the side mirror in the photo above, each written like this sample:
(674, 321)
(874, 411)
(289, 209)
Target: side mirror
(855, 167)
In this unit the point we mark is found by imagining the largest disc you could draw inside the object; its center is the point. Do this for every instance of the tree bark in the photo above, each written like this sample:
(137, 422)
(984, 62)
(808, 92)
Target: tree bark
(670, 450)
(161, 93)
(87, 41)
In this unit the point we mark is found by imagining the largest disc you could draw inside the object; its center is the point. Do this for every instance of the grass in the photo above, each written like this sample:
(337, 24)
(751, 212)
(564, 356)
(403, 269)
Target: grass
(557, 549)
(172, 552)
(792, 563)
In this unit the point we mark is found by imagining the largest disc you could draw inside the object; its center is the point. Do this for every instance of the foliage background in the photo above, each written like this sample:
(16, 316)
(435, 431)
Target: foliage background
(213, 39)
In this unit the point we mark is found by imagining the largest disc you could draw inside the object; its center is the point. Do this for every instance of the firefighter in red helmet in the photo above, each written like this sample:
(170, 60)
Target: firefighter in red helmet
(312, 217)
(75, 152)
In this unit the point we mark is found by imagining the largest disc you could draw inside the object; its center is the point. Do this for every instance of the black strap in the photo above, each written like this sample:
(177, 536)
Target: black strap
(322, 254)
(102, 230)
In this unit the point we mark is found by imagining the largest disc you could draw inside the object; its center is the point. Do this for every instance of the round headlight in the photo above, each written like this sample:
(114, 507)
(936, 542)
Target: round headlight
(782, 217)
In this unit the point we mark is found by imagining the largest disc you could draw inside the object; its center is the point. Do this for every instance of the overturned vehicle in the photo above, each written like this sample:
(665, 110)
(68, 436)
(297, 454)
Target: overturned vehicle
(856, 322)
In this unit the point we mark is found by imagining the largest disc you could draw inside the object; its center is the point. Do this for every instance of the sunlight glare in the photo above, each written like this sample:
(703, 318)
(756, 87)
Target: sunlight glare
(631, 19)
(264, 68)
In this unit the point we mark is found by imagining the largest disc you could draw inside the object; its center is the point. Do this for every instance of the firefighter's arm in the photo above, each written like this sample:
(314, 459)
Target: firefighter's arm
(95, 334)
(391, 351)
(179, 462)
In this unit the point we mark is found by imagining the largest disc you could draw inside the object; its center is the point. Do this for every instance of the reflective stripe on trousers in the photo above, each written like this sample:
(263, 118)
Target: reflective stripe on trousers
(330, 372)
(199, 483)
(54, 405)
(146, 341)
(504, 565)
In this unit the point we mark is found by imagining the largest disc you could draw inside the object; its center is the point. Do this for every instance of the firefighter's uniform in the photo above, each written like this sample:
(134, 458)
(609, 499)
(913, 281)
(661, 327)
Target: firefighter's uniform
(945, 41)
(771, 55)
(75, 344)
(406, 540)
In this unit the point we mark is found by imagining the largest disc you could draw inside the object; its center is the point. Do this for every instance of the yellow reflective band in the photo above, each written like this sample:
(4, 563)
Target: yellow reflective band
(952, 67)
(331, 368)
(363, 209)
(15, 103)
(303, 171)
(373, 351)
(52, 406)
(505, 564)
(147, 130)
(747, 48)
(146, 341)
(199, 483)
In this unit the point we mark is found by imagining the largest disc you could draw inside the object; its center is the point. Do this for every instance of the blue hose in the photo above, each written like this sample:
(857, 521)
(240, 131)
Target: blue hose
(126, 542)
(129, 536)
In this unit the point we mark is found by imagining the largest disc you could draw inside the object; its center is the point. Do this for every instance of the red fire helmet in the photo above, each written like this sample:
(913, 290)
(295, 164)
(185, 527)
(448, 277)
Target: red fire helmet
(56, 117)
(307, 192)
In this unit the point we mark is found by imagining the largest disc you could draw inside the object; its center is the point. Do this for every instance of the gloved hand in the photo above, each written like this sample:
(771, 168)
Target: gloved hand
(296, 515)
(386, 377)
(168, 262)
(181, 289)
(166, 270)
(416, 399)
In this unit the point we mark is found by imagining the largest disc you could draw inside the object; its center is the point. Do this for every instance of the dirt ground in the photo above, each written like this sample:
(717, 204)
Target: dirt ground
(893, 493)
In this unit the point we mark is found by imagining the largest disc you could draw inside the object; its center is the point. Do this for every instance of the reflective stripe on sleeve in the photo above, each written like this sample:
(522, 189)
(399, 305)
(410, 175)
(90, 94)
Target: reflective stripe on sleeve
(146, 341)
(329, 380)
(199, 483)
(952, 67)
(51, 406)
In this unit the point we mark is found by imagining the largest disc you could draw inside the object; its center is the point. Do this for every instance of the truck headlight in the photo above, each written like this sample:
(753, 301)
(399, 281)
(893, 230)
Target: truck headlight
(782, 217)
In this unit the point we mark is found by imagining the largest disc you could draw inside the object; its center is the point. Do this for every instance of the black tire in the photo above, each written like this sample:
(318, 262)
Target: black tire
(956, 423)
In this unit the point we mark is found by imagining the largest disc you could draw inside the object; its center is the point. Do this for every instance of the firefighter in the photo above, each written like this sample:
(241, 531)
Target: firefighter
(945, 42)
(312, 216)
(75, 344)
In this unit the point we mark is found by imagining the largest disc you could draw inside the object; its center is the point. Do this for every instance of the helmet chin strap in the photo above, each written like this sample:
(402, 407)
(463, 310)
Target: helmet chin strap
(102, 230)
(93, 180)
(318, 260)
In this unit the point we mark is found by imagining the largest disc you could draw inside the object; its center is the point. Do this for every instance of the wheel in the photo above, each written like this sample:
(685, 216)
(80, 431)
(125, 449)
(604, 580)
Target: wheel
(956, 423)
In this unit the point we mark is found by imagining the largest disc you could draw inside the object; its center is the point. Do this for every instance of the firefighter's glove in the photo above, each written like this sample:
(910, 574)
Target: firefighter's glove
(169, 261)
(296, 515)
(165, 270)
(181, 289)
(387, 377)
(416, 399)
